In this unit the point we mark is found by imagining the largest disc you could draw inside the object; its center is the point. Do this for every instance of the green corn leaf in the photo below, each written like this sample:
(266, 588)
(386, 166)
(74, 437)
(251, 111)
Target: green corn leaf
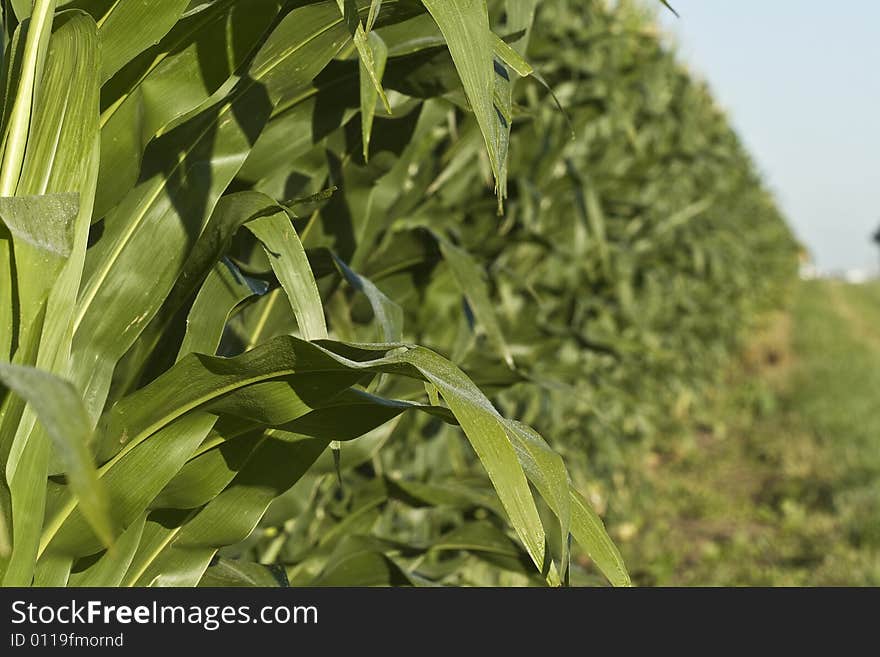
(59, 160)
(511, 57)
(225, 289)
(441, 494)
(366, 53)
(62, 160)
(208, 473)
(477, 537)
(356, 561)
(590, 533)
(484, 428)
(169, 81)
(369, 93)
(132, 26)
(342, 417)
(291, 265)
(277, 402)
(471, 281)
(27, 486)
(353, 414)
(141, 256)
(18, 121)
(229, 572)
(197, 381)
(231, 213)
(54, 572)
(546, 470)
(388, 314)
(169, 207)
(465, 26)
(64, 124)
(141, 416)
(111, 567)
(42, 229)
(132, 482)
(158, 563)
(375, 8)
(182, 550)
(59, 409)
(278, 464)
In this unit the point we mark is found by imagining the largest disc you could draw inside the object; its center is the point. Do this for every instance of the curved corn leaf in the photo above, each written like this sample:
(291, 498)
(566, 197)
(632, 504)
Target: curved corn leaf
(59, 408)
(590, 533)
(388, 314)
(202, 379)
(111, 566)
(225, 288)
(179, 551)
(291, 265)
(357, 562)
(54, 572)
(133, 481)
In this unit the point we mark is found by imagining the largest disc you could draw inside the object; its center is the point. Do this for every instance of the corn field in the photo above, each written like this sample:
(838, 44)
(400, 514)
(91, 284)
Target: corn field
(342, 292)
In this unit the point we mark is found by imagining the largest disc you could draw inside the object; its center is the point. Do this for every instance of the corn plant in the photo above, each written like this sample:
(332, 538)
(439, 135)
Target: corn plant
(631, 258)
(637, 245)
(179, 340)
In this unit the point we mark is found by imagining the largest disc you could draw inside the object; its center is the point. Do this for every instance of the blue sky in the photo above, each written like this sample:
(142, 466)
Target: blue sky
(801, 82)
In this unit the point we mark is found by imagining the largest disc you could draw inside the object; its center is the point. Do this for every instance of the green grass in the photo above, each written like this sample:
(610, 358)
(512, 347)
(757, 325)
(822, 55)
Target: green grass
(777, 483)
